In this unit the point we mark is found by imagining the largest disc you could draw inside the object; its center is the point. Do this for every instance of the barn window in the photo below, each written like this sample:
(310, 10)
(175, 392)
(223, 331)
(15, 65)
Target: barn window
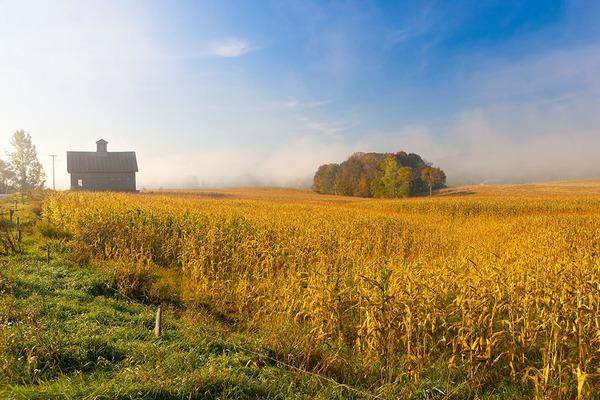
(80, 182)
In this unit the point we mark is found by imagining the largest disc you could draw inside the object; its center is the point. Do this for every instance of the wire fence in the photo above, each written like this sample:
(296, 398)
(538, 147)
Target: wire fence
(288, 366)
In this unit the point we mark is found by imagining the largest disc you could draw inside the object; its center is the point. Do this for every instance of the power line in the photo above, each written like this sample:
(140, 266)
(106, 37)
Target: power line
(53, 172)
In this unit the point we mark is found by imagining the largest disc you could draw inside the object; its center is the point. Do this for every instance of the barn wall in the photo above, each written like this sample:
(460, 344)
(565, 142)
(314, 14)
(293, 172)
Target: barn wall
(118, 182)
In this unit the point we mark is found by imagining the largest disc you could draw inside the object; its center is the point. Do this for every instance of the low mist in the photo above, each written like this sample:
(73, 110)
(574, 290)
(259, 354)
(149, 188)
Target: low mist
(501, 146)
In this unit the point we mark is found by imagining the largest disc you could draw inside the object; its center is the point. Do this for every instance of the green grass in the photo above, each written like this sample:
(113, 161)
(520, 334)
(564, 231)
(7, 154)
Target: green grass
(64, 333)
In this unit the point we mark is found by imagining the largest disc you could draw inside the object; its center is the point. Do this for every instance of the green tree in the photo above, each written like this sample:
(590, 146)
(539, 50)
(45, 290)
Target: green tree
(395, 180)
(377, 187)
(29, 174)
(404, 182)
(388, 179)
(433, 177)
(7, 176)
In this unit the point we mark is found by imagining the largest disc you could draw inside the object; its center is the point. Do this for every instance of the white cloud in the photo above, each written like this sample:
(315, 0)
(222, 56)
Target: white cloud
(233, 47)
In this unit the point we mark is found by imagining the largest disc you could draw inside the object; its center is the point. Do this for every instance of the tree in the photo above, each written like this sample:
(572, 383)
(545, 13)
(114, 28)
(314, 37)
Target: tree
(376, 175)
(324, 180)
(404, 182)
(363, 189)
(29, 174)
(388, 179)
(395, 180)
(371, 163)
(348, 176)
(433, 177)
(7, 176)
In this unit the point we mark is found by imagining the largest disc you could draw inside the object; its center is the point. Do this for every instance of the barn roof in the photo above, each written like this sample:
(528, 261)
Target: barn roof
(91, 161)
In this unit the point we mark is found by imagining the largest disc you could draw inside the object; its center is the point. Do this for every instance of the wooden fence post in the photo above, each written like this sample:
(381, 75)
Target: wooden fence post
(158, 323)
(11, 212)
(19, 232)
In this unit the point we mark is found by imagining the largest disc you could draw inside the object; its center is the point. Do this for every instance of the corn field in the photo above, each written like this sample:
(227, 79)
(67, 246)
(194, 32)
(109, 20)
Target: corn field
(493, 288)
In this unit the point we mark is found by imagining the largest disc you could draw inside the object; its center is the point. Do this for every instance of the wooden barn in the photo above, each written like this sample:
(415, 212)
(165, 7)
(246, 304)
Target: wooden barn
(102, 170)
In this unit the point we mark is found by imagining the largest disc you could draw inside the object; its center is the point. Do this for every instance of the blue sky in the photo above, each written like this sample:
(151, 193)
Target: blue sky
(214, 93)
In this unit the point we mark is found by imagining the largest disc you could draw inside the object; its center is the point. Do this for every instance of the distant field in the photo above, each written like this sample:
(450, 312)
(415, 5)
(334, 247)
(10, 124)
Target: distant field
(489, 290)
(586, 188)
(267, 194)
(581, 187)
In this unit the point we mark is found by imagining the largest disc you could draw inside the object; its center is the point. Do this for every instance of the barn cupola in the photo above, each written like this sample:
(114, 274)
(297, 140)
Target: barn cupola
(101, 146)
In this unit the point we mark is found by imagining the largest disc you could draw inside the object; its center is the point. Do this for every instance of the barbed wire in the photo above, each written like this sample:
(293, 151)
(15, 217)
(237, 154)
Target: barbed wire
(275, 360)
(297, 369)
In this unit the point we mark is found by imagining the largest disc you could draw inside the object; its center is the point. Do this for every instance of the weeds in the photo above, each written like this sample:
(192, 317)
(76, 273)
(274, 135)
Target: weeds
(9, 244)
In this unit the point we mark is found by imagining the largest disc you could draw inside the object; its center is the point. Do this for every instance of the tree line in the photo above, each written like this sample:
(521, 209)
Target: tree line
(22, 171)
(380, 175)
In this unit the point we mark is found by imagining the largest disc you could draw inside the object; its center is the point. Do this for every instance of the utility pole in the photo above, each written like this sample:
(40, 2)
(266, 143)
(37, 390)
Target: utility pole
(53, 172)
